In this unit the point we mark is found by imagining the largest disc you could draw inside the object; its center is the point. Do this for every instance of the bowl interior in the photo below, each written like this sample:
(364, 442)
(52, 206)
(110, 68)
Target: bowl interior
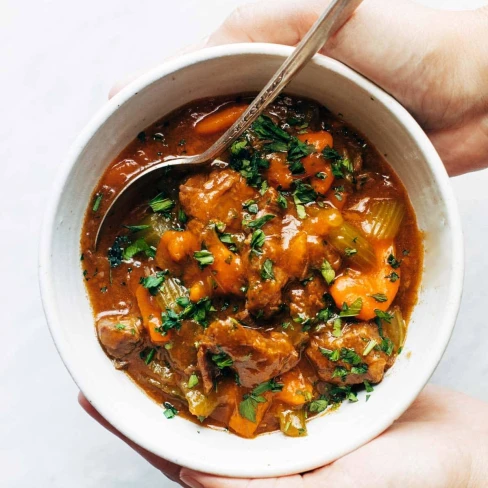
(226, 70)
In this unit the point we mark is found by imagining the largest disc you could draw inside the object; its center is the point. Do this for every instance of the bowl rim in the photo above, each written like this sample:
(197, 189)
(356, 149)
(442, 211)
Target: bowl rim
(453, 298)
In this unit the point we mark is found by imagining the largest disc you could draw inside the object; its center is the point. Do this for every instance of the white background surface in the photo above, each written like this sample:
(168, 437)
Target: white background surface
(58, 59)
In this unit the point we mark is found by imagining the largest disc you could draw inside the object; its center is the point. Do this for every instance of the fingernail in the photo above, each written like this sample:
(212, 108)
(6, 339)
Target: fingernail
(191, 482)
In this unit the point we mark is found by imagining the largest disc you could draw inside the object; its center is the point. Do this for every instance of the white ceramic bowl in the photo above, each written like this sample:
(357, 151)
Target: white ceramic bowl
(226, 70)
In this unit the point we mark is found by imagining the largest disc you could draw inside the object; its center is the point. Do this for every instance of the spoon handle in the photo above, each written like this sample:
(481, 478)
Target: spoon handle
(327, 25)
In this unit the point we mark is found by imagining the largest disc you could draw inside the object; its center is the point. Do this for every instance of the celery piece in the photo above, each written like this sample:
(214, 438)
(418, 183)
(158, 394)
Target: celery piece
(292, 422)
(352, 243)
(385, 218)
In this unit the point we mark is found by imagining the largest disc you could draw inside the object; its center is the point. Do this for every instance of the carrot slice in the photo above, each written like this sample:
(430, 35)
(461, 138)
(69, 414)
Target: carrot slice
(243, 426)
(151, 315)
(220, 120)
(320, 140)
(297, 390)
(377, 288)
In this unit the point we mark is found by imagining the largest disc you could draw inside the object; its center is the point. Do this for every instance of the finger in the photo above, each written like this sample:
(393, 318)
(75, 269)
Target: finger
(195, 479)
(171, 470)
(129, 79)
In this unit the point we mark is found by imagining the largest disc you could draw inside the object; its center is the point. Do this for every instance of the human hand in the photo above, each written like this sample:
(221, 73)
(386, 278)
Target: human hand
(435, 63)
(440, 442)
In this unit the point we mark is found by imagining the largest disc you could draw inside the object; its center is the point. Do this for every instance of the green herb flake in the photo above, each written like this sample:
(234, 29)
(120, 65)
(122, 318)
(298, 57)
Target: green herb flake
(182, 217)
(368, 387)
(251, 206)
(393, 261)
(97, 202)
(387, 317)
(192, 380)
(257, 241)
(170, 411)
(393, 277)
(259, 222)
(353, 309)
(327, 272)
(337, 327)
(370, 346)
(331, 355)
(139, 246)
(137, 228)
(153, 282)
(267, 270)
(203, 257)
(349, 251)
(160, 204)
(319, 405)
(380, 297)
(222, 360)
(282, 201)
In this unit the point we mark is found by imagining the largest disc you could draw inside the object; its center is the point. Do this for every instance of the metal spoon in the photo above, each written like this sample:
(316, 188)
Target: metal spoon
(327, 25)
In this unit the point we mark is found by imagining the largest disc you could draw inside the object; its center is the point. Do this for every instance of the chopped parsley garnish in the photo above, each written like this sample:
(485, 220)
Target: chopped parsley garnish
(160, 204)
(265, 128)
(393, 261)
(298, 150)
(169, 411)
(359, 369)
(257, 241)
(367, 386)
(238, 146)
(380, 297)
(350, 356)
(370, 346)
(119, 326)
(153, 282)
(337, 327)
(387, 346)
(349, 251)
(353, 309)
(182, 217)
(115, 253)
(228, 241)
(259, 222)
(192, 380)
(137, 228)
(222, 360)
(203, 257)
(281, 200)
(339, 372)
(248, 406)
(319, 405)
(327, 272)
(267, 270)
(139, 246)
(251, 206)
(387, 317)
(393, 277)
(170, 320)
(198, 311)
(340, 165)
(331, 355)
(147, 355)
(321, 175)
(303, 194)
(406, 252)
(97, 202)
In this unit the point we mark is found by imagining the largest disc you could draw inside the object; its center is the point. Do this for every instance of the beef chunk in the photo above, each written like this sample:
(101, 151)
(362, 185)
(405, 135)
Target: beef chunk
(354, 338)
(255, 357)
(216, 196)
(119, 335)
